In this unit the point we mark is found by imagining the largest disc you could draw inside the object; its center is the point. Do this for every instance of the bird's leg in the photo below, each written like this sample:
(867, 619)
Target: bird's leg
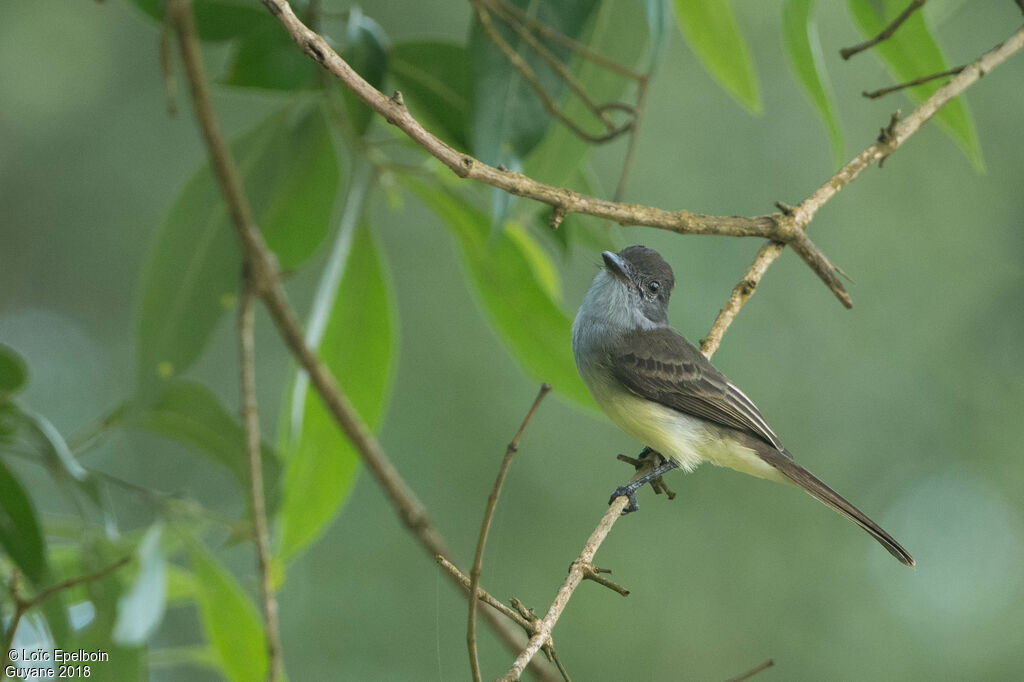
(643, 460)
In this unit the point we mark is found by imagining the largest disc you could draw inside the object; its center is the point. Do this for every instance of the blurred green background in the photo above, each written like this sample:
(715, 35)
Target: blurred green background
(909, 404)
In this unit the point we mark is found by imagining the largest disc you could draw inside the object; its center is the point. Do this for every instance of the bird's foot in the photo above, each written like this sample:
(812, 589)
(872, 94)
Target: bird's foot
(650, 465)
(627, 491)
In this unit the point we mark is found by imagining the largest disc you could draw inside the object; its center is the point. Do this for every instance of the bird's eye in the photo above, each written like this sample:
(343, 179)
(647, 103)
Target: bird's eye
(653, 286)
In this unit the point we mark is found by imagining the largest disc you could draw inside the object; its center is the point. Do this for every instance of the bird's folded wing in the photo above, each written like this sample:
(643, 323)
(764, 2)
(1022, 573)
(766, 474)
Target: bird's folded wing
(662, 366)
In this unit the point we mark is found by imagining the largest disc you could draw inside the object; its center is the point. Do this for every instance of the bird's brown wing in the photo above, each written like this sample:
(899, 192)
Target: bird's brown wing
(662, 366)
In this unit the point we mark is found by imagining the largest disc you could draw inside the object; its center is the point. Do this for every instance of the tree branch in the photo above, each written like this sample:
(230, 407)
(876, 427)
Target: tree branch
(773, 226)
(485, 526)
(266, 283)
(250, 417)
(23, 605)
(576, 575)
(890, 139)
(875, 94)
(886, 33)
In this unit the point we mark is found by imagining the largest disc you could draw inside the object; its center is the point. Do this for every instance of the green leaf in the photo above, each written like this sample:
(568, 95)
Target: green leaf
(561, 153)
(13, 371)
(193, 270)
(365, 47)
(268, 59)
(710, 28)
(659, 15)
(189, 412)
(515, 299)
(509, 118)
(800, 35)
(55, 449)
(140, 610)
(910, 53)
(20, 536)
(230, 619)
(434, 78)
(358, 346)
(216, 20)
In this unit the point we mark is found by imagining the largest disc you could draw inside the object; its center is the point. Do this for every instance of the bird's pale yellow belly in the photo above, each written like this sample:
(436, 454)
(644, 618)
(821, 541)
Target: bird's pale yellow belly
(679, 437)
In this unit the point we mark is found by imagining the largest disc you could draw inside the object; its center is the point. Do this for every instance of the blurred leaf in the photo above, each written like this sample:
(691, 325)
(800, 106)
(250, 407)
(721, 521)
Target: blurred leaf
(434, 78)
(560, 154)
(509, 118)
(140, 610)
(711, 30)
(800, 35)
(193, 269)
(190, 413)
(524, 315)
(230, 619)
(13, 371)
(125, 663)
(55, 449)
(268, 59)
(365, 47)
(216, 20)
(659, 16)
(910, 53)
(181, 585)
(20, 536)
(198, 655)
(359, 348)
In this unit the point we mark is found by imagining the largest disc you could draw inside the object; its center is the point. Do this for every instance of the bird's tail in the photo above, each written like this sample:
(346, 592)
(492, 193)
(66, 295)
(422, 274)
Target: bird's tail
(809, 482)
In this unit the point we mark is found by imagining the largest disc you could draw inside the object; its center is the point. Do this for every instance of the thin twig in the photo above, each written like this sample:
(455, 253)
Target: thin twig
(886, 33)
(634, 136)
(582, 49)
(485, 527)
(23, 605)
(531, 79)
(554, 63)
(875, 94)
(267, 285)
(572, 581)
(482, 594)
(892, 138)
(250, 417)
(753, 671)
(771, 226)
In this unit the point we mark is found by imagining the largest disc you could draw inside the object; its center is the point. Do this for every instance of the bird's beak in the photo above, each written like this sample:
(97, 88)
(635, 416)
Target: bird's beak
(615, 266)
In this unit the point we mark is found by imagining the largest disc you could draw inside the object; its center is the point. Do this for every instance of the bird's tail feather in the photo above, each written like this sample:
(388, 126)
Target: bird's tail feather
(809, 482)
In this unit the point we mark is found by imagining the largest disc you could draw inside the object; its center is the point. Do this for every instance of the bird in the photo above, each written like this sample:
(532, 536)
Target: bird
(659, 388)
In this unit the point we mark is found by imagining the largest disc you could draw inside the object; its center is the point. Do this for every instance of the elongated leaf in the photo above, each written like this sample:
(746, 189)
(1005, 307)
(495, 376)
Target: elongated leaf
(710, 28)
(800, 35)
(910, 53)
(216, 20)
(659, 16)
(365, 47)
(20, 536)
(434, 78)
(268, 59)
(193, 269)
(230, 619)
(190, 413)
(516, 300)
(13, 371)
(359, 347)
(509, 118)
(140, 610)
(561, 153)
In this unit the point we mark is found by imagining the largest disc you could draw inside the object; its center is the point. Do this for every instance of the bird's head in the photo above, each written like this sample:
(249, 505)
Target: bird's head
(634, 287)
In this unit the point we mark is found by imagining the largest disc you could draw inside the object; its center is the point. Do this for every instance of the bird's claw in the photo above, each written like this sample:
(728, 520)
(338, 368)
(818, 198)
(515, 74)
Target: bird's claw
(630, 494)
